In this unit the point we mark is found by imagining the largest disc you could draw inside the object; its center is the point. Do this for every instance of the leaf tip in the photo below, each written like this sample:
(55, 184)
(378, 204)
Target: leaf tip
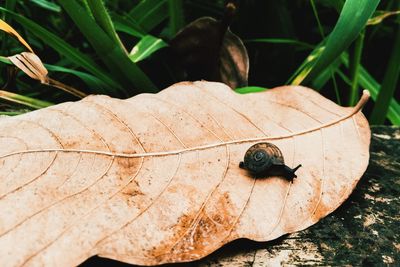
(365, 96)
(363, 100)
(366, 93)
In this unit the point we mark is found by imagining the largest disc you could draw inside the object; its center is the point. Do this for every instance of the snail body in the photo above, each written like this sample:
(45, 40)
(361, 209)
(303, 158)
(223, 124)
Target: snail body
(266, 159)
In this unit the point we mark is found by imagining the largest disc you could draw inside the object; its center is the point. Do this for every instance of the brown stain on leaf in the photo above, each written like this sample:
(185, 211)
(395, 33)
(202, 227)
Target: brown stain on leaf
(192, 232)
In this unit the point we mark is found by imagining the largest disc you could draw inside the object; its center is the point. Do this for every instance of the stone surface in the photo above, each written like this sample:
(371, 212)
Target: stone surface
(363, 231)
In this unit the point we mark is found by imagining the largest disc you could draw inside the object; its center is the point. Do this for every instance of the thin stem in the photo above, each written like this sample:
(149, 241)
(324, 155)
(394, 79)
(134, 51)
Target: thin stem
(355, 61)
(336, 87)
(321, 31)
(66, 88)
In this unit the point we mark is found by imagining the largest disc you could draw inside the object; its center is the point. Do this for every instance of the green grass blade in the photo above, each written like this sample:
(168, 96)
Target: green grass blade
(102, 43)
(10, 113)
(352, 19)
(47, 5)
(281, 41)
(355, 61)
(388, 85)
(305, 68)
(85, 4)
(368, 82)
(320, 81)
(149, 13)
(94, 84)
(381, 15)
(24, 100)
(320, 29)
(336, 88)
(128, 26)
(330, 70)
(63, 48)
(146, 47)
(10, 5)
(335, 4)
(250, 89)
(176, 21)
(5, 60)
(112, 55)
(365, 80)
(103, 19)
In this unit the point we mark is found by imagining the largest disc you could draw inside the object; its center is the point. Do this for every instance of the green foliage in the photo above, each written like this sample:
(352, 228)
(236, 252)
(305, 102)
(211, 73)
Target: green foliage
(108, 49)
(352, 19)
(146, 47)
(175, 16)
(63, 48)
(149, 13)
(388, 86)
(115, 47)
(250, 89)
(24, 100)
(47, 5)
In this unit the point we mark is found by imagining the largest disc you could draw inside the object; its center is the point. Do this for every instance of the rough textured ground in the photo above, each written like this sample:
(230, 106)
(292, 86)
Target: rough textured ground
(363, 231)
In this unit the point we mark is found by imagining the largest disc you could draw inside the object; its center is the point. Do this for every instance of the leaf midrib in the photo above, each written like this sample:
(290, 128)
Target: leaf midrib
(354, 111)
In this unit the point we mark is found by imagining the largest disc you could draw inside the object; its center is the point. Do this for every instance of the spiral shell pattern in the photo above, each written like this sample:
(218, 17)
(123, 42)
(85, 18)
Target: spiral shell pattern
(261, 156)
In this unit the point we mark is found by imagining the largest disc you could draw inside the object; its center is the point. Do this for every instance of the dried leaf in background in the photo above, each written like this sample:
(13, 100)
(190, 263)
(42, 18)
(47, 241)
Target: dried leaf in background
(156, 179)
(32, 66)
(207, 49)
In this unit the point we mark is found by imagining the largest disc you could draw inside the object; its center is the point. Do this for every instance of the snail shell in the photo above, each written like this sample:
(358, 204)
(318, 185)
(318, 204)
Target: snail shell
(266, 159)
(261, 157)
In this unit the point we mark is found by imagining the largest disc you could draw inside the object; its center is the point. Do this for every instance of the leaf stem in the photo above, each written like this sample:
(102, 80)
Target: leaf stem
(336, 87)
(66, 88)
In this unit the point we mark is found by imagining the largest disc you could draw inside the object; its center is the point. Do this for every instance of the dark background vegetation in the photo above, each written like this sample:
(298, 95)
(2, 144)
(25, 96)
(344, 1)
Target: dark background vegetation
(272, 63)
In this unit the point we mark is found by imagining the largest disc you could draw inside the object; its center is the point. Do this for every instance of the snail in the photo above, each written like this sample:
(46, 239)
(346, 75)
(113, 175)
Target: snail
(265, 159)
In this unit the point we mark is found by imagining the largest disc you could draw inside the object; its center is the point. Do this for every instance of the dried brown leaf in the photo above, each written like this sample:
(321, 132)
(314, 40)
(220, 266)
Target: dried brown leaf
(208, 50)
(31, 65)
(234, 61)
(155, 178)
